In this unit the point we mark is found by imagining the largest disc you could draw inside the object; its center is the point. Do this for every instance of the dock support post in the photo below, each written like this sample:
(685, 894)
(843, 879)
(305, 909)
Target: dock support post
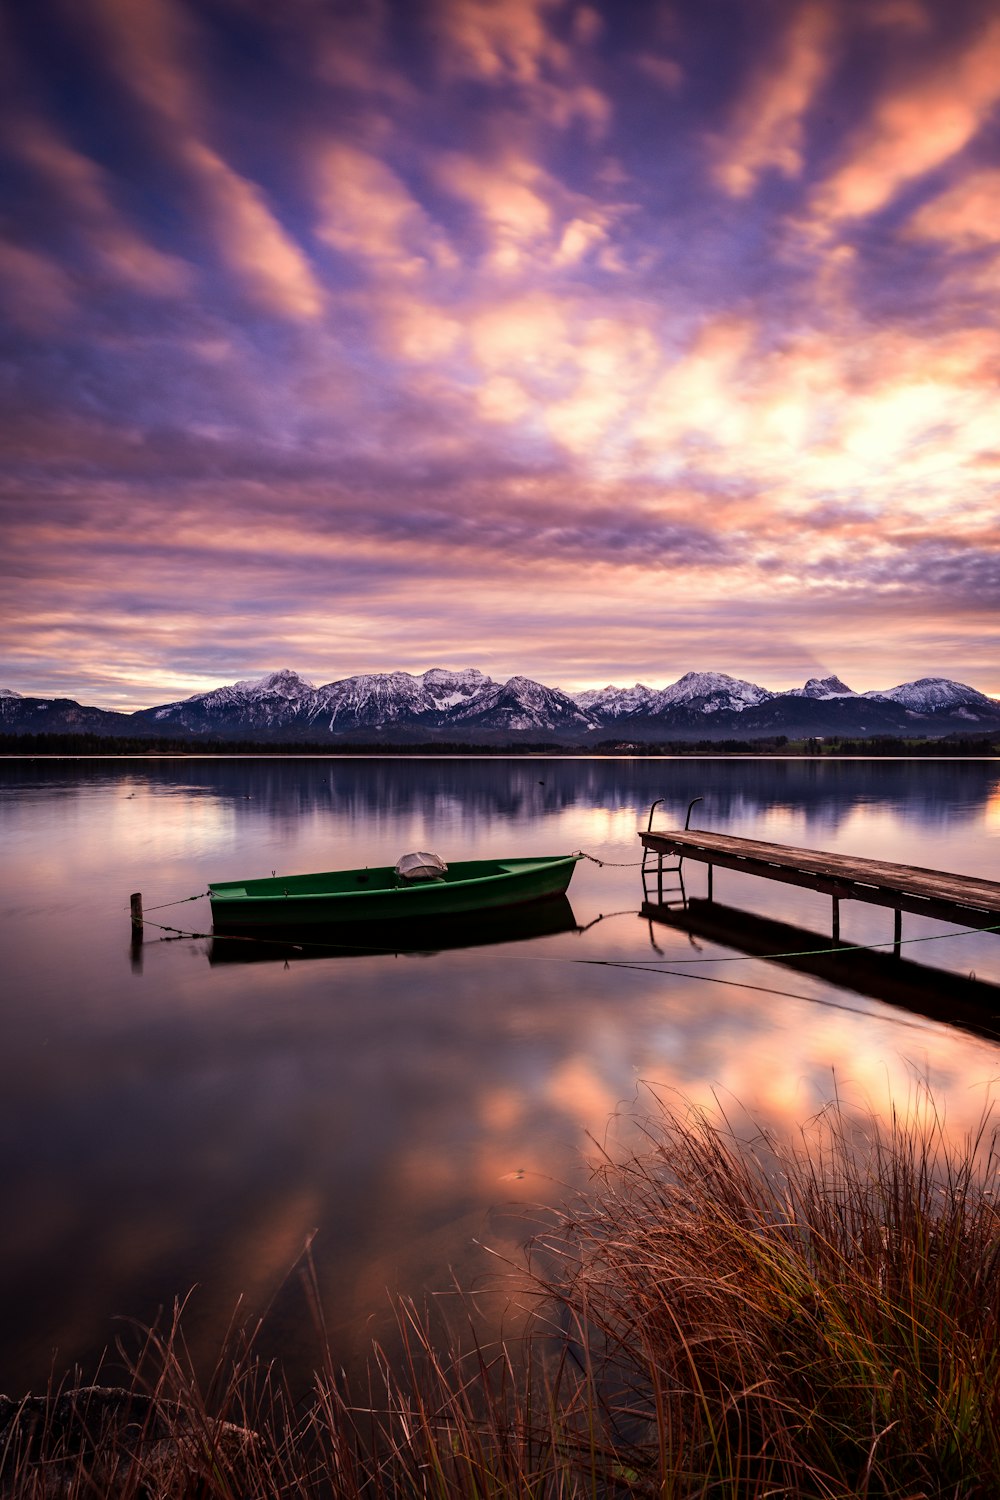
(710, 869)
(897, 930)
(135, 904)
(836, 919)
(659, 879)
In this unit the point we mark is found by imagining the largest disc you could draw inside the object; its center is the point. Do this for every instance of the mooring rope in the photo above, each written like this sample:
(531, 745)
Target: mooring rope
(934, 937)
(181, 900)
(663, 966)
(649, 967)
(614, 864)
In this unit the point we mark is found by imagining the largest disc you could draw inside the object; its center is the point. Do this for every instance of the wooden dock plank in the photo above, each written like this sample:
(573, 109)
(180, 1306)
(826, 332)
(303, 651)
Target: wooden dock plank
(936, 893)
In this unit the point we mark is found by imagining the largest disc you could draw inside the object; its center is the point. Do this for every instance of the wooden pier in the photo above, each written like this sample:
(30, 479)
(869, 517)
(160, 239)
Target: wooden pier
(966, 900)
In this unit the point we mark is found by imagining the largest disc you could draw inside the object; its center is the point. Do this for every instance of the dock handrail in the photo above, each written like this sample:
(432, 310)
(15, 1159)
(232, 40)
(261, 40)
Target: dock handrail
(687, 820)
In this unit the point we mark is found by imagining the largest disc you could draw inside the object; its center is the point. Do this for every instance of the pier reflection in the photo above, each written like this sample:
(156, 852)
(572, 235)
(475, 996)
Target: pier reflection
(956, 999)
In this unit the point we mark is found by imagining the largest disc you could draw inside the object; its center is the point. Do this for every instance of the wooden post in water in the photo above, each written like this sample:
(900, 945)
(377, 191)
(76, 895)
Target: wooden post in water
(836, 919)
(897, 930)
(135, 904)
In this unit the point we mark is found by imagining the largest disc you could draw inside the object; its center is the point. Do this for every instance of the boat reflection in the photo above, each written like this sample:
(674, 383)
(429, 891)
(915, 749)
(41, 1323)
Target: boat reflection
(957, 999)
(514, 924)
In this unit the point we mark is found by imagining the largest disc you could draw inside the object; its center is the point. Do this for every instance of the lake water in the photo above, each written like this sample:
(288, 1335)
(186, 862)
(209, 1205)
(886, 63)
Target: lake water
(173, 1120)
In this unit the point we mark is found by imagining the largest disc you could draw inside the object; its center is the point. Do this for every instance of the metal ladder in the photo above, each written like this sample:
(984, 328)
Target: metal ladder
(653, 866)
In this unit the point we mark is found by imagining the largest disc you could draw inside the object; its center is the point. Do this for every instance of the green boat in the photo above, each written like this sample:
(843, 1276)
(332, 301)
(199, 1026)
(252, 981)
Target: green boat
(383, 895)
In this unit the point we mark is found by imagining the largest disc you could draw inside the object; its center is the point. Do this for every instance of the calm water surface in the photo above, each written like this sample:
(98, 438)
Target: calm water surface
(184, 1121)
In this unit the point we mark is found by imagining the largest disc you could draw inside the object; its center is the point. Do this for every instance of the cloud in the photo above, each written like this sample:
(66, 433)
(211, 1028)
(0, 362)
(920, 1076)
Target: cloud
(965, 216)
(499, 39)
(416, 331)
(84, 194)
(153, 45)
(510, 198)
(662, 70)
(251, 241)
(36, 293)
(767, 128)
(915, 127)
(532, 221)
(465, 402)
(510, 43)
(369, 214)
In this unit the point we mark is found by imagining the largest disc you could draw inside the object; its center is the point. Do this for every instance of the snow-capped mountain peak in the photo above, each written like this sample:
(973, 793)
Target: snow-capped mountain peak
(468, 706)
(717, 690)
(521, 704)
(822, 688)
(934, 694)
(285, 682)
(445, 688)
(614, 702)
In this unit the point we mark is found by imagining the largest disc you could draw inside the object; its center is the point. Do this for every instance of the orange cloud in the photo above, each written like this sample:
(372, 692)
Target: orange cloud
(915, 128)
(766, 132)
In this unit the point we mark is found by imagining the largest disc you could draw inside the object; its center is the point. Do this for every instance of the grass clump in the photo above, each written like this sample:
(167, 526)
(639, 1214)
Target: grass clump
(818, 1318)
(720, 1315)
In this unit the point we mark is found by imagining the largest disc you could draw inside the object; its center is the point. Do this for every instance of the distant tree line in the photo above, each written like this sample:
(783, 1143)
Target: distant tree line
(68, 744)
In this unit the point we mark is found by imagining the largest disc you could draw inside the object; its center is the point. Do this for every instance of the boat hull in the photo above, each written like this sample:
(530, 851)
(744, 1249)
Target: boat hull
(375, 896)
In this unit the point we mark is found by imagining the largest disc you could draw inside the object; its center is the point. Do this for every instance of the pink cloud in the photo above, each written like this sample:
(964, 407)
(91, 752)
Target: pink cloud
(766, 131)
(511, 42)
(153, 45)
(251, 240)
(36, 293)
(85, 195)
(915, 127)
(368, 213)
(965, 216)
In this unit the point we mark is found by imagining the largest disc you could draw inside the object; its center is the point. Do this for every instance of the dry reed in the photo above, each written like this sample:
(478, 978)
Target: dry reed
(718, 1316)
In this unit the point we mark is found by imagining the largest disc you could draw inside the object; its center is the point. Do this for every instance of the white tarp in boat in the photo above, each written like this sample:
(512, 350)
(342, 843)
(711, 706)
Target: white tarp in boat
(421, 866)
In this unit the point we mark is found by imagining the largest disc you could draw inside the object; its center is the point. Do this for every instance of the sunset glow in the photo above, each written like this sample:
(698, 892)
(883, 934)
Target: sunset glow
(591, 341)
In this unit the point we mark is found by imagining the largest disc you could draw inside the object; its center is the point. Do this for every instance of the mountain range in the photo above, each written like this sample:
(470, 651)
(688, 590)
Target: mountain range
(469, 707)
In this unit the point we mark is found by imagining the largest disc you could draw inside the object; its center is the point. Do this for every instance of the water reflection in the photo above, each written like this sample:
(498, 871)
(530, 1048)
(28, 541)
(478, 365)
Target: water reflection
(192, 1123)
(386, 791)
(963, 1000)
(517, 924)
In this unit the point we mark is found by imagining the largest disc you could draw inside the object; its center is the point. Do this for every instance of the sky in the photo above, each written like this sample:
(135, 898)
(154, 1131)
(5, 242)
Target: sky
(597, 342)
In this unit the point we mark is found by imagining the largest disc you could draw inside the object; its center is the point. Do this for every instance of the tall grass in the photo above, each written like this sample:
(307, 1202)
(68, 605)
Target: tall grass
(718, 1316)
